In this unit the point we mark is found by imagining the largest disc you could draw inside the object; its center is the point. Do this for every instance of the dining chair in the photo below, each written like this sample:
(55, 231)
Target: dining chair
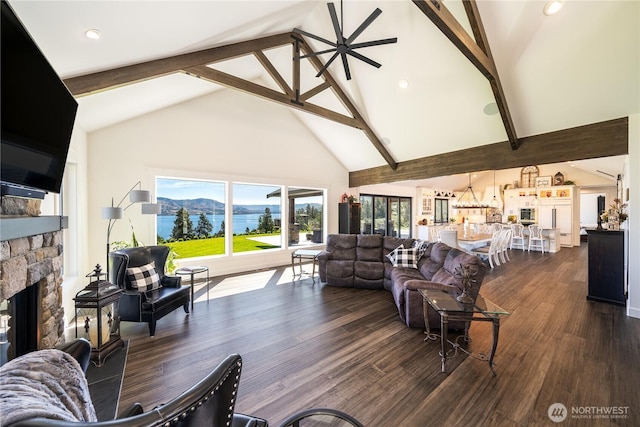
(505, 239)
(518, 240)
(536, 241)
(496, 226)
(490, 251)
(434, 235)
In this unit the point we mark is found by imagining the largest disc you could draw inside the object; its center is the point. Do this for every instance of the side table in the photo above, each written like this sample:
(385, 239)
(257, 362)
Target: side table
(449, 308)
(192, 271)
(301, 254)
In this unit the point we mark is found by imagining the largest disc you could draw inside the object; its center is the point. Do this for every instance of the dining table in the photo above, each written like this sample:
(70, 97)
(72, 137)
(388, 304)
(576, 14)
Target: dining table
(473, 241)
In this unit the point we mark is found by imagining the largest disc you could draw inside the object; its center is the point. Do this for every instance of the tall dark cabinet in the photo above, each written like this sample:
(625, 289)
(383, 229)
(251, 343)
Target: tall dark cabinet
(349, 218)
(606, 266)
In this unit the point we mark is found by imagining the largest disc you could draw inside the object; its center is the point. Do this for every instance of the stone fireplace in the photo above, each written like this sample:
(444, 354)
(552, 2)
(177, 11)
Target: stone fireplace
(30, 281)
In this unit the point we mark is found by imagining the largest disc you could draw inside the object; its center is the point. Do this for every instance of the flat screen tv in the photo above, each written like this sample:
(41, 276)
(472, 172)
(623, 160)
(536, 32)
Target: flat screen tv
(38, 114)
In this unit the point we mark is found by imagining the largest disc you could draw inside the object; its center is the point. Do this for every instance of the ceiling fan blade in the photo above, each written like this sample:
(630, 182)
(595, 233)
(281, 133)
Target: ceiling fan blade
(334, 20)
(317, 53)
(364, 59)
(313, 36)
(345, 63)
(374, 43)
(364, 25)
(323, 69)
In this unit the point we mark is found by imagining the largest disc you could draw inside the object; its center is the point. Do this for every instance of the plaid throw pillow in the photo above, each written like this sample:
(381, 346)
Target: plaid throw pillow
(421, 246)
(407, 258)
(144, 278)
(394, 254)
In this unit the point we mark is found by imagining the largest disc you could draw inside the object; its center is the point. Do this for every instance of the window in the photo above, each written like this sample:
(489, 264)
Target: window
(192, 216)
(196, 220)
(386, 215)
(256, 217)
(442, 211)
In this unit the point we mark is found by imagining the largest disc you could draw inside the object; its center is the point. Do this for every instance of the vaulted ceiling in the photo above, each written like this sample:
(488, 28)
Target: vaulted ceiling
(578, 67)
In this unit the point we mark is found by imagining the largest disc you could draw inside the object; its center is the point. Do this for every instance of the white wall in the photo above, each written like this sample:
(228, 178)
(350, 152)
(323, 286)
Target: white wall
(632, 237)
(228, 135)
(76, 239)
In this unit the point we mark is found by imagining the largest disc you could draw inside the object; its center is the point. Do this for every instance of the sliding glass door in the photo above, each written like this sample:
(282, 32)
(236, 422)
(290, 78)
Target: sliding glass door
(386, 215)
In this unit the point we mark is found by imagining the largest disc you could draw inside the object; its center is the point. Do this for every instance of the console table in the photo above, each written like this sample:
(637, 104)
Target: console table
(449, 308)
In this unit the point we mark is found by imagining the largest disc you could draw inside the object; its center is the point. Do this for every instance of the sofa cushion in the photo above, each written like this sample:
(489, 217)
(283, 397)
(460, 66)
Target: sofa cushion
(433, 259)
(157, 299)
(407, 257)
(368, 275)
(342, 246)
(369, 247)
(340, 273)
(144, 278)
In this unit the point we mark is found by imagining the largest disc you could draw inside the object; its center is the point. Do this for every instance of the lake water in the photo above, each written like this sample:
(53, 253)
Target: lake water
(240, 223)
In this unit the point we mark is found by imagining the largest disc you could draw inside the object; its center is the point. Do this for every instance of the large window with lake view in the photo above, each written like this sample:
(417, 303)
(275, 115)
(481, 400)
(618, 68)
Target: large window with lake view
(193, 215)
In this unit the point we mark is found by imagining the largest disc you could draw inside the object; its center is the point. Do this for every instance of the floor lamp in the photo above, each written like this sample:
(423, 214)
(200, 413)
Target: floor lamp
(113, 213)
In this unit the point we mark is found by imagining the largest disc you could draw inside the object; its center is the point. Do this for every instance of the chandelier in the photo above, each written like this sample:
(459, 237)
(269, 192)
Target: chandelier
(471, 201)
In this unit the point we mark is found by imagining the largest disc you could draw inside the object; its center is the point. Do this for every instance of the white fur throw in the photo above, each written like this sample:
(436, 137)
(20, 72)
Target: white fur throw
(45, 383)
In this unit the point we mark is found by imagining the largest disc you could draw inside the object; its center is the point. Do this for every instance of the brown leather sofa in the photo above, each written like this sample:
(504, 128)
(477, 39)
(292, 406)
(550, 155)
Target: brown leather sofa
(361, 261)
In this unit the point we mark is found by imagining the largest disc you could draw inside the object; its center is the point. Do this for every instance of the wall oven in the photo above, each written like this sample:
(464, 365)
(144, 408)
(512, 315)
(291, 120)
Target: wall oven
(527, 216)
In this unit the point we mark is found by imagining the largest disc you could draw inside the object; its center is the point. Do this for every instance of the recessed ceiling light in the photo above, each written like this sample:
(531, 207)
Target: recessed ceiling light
(403, 84)
(552, 7)
(92, 34)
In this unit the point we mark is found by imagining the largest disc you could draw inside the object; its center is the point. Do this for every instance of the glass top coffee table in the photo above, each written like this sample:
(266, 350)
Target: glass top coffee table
(449, 308)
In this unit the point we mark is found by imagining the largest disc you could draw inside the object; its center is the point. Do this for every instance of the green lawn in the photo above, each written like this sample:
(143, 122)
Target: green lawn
(215, 246)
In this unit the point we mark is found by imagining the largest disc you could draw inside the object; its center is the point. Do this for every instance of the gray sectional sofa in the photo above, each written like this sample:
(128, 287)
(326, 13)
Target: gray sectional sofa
(363, 261)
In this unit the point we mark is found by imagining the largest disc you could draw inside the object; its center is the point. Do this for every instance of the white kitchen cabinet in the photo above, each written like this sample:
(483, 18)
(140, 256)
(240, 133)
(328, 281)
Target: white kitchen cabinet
(559, 208)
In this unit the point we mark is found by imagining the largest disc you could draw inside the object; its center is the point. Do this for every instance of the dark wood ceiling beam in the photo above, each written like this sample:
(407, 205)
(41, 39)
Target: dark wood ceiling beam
(473, 14)
(228, 80)
(318, 65)
(477, 51)
(275, 75)
(110, 79)
(314, 91)
(447, 23)
(604, 139)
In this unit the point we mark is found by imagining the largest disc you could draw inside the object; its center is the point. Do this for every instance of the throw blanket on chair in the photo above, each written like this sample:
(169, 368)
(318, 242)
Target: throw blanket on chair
(45, 383)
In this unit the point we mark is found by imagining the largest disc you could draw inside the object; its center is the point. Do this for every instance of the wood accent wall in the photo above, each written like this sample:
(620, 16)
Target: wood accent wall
(609, 138)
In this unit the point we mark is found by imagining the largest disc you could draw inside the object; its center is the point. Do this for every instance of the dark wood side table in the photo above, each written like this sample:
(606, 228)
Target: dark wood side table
(192, 271)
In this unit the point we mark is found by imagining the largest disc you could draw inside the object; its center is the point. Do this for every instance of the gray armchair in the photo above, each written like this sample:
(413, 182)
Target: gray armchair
(140, 305)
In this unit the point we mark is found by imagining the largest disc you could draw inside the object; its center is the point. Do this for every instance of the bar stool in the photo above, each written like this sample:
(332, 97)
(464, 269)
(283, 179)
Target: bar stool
(536, 241)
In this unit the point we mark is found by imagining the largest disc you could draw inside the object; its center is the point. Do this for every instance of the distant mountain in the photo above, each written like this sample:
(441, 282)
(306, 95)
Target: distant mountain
(209, 206)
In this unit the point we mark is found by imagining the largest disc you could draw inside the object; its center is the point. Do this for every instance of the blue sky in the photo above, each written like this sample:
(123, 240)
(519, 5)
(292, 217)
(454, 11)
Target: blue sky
(243, 194)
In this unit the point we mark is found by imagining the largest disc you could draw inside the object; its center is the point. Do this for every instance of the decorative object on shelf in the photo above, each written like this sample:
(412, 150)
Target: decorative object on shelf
(344, 45)
(528, 176)
(558, 179)
(543, 181)
(616, 214)
(112, 213)
(348, 198)
(471, 200)
(465, 273)
(569, 182)
(97, 304)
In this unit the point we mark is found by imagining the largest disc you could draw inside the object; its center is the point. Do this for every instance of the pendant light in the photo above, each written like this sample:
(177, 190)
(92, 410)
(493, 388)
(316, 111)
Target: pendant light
(494, 202)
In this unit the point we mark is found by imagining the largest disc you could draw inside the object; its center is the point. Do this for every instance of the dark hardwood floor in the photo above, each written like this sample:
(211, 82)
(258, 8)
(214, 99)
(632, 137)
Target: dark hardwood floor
(306, 345)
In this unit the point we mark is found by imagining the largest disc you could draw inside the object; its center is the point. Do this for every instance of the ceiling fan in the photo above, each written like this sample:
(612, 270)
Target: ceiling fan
(344, 45)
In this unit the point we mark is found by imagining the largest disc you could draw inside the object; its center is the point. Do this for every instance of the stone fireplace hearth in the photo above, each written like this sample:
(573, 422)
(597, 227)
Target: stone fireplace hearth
(26, 261)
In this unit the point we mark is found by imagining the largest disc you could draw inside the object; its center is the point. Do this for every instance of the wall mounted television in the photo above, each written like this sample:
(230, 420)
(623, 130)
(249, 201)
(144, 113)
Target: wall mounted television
(38, 114)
